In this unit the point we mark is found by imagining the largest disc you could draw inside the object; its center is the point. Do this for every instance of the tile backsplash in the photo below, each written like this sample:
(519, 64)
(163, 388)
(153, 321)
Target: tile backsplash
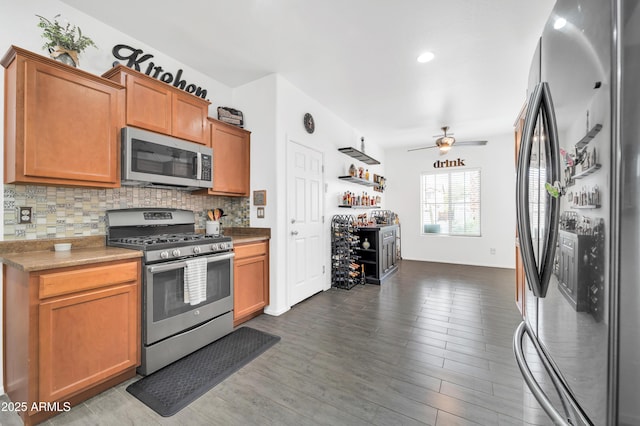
(59, 212)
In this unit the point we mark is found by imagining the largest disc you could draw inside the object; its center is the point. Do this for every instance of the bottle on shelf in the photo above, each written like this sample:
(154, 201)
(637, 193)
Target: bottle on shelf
(366, 244)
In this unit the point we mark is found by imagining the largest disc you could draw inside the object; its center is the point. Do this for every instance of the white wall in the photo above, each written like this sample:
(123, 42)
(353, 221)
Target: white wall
(496, 160)
(273, 110)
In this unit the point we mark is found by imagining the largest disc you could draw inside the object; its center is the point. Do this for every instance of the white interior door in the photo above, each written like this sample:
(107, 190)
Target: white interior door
(305, 229)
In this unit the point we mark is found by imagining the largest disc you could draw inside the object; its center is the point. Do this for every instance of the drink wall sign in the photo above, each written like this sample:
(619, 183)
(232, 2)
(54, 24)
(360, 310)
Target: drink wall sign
(137, 59)
(448, 163)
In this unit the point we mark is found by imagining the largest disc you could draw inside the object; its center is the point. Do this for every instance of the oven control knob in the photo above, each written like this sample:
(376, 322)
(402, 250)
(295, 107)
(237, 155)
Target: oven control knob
(176, 253)
(164, 255)
(215, 246)
(196, 250)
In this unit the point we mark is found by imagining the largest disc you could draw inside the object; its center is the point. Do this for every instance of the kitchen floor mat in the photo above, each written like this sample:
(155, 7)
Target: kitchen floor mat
(175, 386)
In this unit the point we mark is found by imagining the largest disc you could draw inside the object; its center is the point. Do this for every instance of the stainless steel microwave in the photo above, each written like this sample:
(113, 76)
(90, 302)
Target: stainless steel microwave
(153, 159)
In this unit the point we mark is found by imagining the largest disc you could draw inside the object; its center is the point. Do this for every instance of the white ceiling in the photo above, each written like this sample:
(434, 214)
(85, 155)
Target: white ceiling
(358, 57)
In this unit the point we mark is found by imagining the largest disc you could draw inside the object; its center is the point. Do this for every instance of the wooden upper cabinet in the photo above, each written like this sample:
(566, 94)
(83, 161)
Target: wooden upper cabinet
(231, 159)
(148, 104)
(160, 107)
(189, 118)
(62, 124)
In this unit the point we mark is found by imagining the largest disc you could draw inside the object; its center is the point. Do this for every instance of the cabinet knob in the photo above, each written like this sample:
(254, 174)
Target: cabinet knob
(294, 232)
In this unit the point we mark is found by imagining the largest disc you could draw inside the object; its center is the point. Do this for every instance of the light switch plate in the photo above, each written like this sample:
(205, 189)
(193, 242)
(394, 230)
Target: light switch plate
(260, 212)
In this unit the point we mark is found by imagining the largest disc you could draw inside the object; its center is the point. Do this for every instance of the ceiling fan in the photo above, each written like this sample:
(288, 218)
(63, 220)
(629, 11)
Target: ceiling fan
(446, 141)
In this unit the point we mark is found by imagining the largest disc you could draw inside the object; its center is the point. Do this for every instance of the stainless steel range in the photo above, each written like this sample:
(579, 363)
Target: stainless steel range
(187, 281)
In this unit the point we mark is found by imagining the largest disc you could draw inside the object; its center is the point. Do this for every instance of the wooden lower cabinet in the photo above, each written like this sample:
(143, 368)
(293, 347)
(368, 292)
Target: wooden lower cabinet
(62, 346)
(250, 280)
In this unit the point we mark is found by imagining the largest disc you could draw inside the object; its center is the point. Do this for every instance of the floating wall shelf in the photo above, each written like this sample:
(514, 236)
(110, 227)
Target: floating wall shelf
(586, 206)
(360, 207)
(358, 155)
(590, 135)
(358, 180)
(586, 172)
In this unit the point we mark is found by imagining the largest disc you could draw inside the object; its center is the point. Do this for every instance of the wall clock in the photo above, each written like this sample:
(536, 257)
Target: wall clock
(309, 124)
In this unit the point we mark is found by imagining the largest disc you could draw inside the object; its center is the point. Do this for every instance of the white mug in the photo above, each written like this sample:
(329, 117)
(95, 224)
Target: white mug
(212, 227)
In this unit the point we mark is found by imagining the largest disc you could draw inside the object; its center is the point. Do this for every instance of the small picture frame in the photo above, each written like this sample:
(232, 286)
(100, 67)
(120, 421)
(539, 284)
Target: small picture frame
(260, 198)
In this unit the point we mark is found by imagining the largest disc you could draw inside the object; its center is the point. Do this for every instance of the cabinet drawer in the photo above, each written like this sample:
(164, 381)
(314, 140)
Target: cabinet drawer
(249, 250)
(64, 282)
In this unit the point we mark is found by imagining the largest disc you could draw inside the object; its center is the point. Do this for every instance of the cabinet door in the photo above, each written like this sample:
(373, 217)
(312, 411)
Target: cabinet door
(148, 104)
(251, 279)
(385, 258)
(86, 338)
(71, 129)
(231, 163)
(189, 118)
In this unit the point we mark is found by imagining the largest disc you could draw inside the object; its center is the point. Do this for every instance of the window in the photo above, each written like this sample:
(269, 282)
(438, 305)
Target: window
(451, 202)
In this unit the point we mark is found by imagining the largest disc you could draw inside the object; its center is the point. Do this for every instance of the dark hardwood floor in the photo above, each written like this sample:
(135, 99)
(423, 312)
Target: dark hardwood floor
(432, 345)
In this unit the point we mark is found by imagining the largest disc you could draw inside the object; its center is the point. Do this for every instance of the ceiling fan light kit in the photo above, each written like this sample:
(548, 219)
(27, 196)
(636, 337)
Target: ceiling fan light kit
(445, 142)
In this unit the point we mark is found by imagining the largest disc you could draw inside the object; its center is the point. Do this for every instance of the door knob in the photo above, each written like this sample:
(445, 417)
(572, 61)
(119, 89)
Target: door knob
(294, 232)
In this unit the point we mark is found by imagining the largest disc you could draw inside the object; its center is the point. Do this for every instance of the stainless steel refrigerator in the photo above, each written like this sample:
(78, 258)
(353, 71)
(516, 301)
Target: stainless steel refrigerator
(578, 205)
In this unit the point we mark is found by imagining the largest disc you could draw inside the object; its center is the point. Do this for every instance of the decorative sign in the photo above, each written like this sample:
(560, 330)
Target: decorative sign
(137, 57)
(448, 163)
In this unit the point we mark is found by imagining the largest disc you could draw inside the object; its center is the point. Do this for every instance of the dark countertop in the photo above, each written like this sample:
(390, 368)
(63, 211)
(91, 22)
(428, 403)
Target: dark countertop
(38, 255)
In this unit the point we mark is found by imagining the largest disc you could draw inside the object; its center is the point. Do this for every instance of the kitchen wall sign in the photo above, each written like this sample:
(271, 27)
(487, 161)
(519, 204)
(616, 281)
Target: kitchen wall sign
(136, 57)
(448, 163)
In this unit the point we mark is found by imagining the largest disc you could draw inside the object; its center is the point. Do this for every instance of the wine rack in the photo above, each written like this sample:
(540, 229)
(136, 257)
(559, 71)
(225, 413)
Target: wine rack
(346, 271)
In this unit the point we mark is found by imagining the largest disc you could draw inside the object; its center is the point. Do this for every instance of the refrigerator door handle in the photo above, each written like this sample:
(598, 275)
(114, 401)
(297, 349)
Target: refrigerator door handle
(538, 276)
(553, 165)
(523, 219)
(530, 380)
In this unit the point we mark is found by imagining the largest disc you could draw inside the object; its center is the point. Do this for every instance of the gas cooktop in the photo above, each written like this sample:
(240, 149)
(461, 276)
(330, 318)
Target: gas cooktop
(163, 234)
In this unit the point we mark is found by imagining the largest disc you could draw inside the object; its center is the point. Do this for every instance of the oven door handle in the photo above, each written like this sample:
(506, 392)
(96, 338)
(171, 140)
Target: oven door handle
(164, 267)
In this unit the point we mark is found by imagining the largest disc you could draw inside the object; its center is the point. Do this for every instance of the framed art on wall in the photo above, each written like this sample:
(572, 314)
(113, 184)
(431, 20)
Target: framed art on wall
(260, 198)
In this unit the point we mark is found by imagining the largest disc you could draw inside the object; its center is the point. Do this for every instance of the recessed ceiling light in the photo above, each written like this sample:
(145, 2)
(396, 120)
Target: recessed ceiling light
(426, 57)
(559, 23)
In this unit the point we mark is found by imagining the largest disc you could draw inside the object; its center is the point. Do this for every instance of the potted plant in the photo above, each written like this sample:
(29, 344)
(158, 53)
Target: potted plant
(64, 41)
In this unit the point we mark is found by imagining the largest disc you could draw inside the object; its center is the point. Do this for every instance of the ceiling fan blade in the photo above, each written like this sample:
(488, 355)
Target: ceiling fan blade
(470, 143)
(424, 147)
